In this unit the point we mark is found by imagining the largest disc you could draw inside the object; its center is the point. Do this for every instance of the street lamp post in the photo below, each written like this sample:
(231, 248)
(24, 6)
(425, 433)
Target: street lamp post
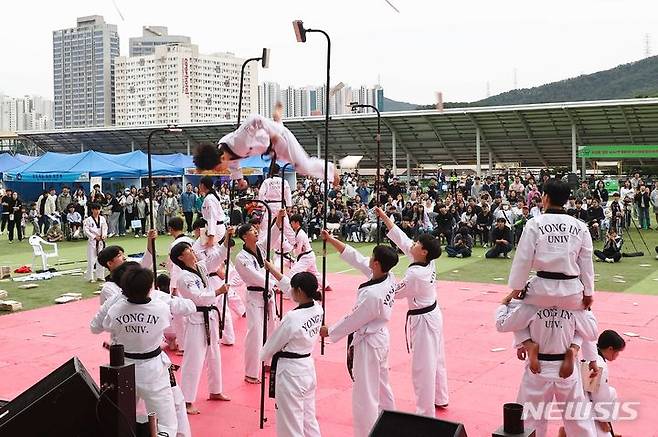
(300, 35)
(168, 129)
(355, 106)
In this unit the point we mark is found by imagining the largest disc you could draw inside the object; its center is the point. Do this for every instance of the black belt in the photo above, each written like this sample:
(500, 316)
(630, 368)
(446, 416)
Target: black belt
(206, 319)
(551, 357)
(269, 295)
(210, 275)
(350, 355)
(415, 312)
(273, 201)
(555, 275)
(274, 363)
(303, 253)
(220, 222)
(145, 356)
(172, 374)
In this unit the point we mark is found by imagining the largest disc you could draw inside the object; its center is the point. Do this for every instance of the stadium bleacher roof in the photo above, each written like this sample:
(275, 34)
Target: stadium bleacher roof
(532, 135)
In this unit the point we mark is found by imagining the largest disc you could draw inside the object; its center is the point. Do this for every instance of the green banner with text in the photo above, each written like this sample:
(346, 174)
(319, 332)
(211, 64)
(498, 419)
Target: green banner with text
(618, 151)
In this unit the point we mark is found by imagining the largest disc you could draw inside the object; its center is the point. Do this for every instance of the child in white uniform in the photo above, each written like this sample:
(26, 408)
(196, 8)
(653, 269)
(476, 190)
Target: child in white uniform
(366, 327)
(559, 248)
(251, 267)
(201, 342)
(424, 318)
(212, 212)
(138, 322)
(553, 330)
(292, 373)
(95, 229)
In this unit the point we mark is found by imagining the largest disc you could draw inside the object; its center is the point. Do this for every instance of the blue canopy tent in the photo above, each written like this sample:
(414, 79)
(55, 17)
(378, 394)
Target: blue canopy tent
(7, 162)
(25, 158)
(178, 160)
(138, 160)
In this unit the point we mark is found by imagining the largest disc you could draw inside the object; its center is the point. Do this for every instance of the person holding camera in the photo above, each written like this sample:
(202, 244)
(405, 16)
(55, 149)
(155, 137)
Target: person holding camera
(611, 252)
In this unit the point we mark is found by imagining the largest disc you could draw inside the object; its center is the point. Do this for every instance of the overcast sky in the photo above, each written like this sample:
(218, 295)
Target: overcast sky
(430, 45)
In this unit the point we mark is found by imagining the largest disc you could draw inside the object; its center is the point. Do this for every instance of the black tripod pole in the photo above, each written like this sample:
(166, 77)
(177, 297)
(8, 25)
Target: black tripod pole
(639, 231)
(222, 324)
(283, 206)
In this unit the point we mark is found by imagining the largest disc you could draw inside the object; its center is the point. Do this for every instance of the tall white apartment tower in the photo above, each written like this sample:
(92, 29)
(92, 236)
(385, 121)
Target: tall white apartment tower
(177, 85)
(83, 73)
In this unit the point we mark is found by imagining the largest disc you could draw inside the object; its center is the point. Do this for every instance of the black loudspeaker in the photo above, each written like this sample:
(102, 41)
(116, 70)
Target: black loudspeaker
(61, 404)
(396, 424)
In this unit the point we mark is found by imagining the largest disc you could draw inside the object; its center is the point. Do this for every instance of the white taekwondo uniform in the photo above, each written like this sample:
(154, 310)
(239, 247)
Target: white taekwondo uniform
(110, 289)
(177, 306)
(271, 192)
(289, 347)
(139, 327)
(603, 397)
(553, 329)
(213, 213)
(368, 337)
(251, 269)
(178, 323)
(201, 342)
(93, 228)
(425, 337)
(252, 138)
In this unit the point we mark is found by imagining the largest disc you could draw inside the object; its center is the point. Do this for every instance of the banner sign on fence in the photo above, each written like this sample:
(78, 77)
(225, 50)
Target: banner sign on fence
(618, 151)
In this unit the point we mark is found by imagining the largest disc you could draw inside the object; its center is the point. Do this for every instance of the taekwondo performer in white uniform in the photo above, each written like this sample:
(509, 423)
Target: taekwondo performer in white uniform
(554, 330)
(202, 330)
(424, 318)
(114, 256)
(138, 323)
(305, 259)
(289, 347)
(270, 192)
(212, 212)
(178, 306)
(175, 227)
(95, 229)
(250, 266)
(559, 248)
(215, 259)
(367, 332)
(603, 396)
(256, 136)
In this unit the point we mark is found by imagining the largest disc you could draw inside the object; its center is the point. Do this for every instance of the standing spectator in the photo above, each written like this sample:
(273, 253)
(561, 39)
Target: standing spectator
(476, 188)
(63, 201)
(121, 224)
(6, 200)
(198, 203)
(364, 192)
(170, 206)
(501, 238)
(141, 211)
(80, 199)
(33, 216)
(188, 200)
(15, 217)
(112, 210)
(654, 201)
(46, 207)
(131, 195)
(642, 204)
(453, 181)
(636, 181)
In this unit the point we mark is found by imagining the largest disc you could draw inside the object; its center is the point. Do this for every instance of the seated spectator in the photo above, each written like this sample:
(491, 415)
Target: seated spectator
(595, 218)
(469, 219)
(334, 220)
(611, 252)
(579, 212)
(462, 244)
(501, 239)
(74, 221)
(422, 221)
(54, 233)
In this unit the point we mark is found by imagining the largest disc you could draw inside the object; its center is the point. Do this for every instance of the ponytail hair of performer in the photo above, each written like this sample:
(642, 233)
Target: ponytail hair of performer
(304, 283)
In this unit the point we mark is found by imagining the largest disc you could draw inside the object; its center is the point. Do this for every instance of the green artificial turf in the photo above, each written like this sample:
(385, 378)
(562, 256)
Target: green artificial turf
(638, 279)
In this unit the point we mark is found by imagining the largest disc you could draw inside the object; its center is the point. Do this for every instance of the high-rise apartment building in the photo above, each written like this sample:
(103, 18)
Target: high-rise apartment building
(305, 101)
(153, 36)
(83, 73)
(177, 85)
(25, 113)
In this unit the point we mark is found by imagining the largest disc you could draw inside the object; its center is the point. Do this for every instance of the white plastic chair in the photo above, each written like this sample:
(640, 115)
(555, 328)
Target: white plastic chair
(39, 251)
